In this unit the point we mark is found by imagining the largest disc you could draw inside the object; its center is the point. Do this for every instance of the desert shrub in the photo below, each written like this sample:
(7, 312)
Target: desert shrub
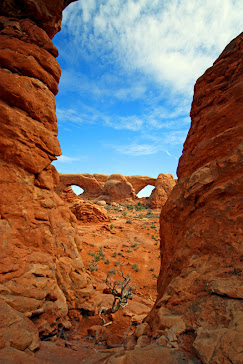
(120, 253)
(151, 269)
(107, 261)
(134, 245)
(114, 254)
(129, 251)
(129, 222)
(135, 267)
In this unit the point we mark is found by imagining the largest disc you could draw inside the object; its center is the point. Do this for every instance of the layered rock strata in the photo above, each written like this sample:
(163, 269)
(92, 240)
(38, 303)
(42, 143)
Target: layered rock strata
(200, 282)
(41, 271)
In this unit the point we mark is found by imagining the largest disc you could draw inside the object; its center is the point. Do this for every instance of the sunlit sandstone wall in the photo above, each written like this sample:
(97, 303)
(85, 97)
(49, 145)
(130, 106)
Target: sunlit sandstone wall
(41, 271)
(200, 283)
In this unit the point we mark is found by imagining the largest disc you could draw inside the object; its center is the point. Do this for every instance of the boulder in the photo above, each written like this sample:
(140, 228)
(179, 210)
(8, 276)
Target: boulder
(163, 187)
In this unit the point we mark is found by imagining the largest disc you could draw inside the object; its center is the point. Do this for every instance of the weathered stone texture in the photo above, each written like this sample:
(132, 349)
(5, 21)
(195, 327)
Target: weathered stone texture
(41, 271)
(201, 223)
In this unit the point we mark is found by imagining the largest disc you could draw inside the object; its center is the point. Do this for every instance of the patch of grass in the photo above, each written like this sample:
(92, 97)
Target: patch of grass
(135, 267)
(111, 226)
(151, 269)
(114, 254)
(129, 222)
(134, 245)
(129, 251)
(153, 226)
(155, 275)
(107, 261)
(120, 253)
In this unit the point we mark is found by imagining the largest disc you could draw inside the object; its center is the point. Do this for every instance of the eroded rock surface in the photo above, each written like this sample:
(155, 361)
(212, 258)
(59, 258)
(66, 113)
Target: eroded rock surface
(85, 211)
(41, 271)
(117, 188)
(163, 187)
(201, 225)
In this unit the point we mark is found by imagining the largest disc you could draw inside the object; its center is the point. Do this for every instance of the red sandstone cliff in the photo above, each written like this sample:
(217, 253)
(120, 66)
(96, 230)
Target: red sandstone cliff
(41, 271)
(200, 283)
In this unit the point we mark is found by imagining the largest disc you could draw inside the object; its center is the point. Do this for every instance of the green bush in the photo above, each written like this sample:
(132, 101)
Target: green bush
(135, 267)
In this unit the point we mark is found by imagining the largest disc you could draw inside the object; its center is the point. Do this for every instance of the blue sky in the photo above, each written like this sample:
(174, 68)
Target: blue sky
(128, 72)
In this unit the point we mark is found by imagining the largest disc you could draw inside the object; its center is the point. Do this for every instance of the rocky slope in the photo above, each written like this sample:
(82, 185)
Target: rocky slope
(200, 283)
(41, 271)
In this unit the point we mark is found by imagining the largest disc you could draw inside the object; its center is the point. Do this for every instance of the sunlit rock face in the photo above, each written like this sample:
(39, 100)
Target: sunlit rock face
(41, 271)
(200, 283)
(163, 187)
(118, 188)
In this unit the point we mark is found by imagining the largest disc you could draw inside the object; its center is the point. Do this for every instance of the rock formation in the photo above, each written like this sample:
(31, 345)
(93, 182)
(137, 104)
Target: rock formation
(42, 279)
(163, 187)
(85, 211)
(41, 271)
(91, 184)
(117, 188)
(200, 283)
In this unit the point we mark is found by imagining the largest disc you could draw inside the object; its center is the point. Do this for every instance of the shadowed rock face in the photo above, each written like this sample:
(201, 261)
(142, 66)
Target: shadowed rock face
(199, 286)
(41, 271)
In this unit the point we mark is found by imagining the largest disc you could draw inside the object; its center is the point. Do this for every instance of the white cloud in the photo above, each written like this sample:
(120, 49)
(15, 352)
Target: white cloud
(66, 159)
(172, 42)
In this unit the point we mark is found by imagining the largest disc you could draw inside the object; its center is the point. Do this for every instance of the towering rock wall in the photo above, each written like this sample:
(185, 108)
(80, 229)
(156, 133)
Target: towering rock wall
(200, 282)
(41, 271)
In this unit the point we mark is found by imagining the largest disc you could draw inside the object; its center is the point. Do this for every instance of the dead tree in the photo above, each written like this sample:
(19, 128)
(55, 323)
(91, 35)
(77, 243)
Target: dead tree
(121, 290)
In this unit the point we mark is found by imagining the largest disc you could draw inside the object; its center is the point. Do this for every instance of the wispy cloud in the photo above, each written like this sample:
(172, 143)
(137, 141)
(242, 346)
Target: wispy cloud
(66, 159)
(153, 145)
(172, 42)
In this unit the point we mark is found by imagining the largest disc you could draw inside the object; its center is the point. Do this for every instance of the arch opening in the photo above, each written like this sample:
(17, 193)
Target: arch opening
(146, 191)
(77, 190)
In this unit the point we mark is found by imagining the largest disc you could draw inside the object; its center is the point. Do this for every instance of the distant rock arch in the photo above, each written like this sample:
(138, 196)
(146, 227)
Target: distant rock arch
(118, 188)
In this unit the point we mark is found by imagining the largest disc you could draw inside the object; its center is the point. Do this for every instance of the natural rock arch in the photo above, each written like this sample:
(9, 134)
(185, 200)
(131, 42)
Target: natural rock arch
(92, 187)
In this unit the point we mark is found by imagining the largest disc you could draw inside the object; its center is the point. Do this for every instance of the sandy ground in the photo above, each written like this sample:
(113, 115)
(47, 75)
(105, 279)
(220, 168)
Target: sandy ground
(130, 239)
